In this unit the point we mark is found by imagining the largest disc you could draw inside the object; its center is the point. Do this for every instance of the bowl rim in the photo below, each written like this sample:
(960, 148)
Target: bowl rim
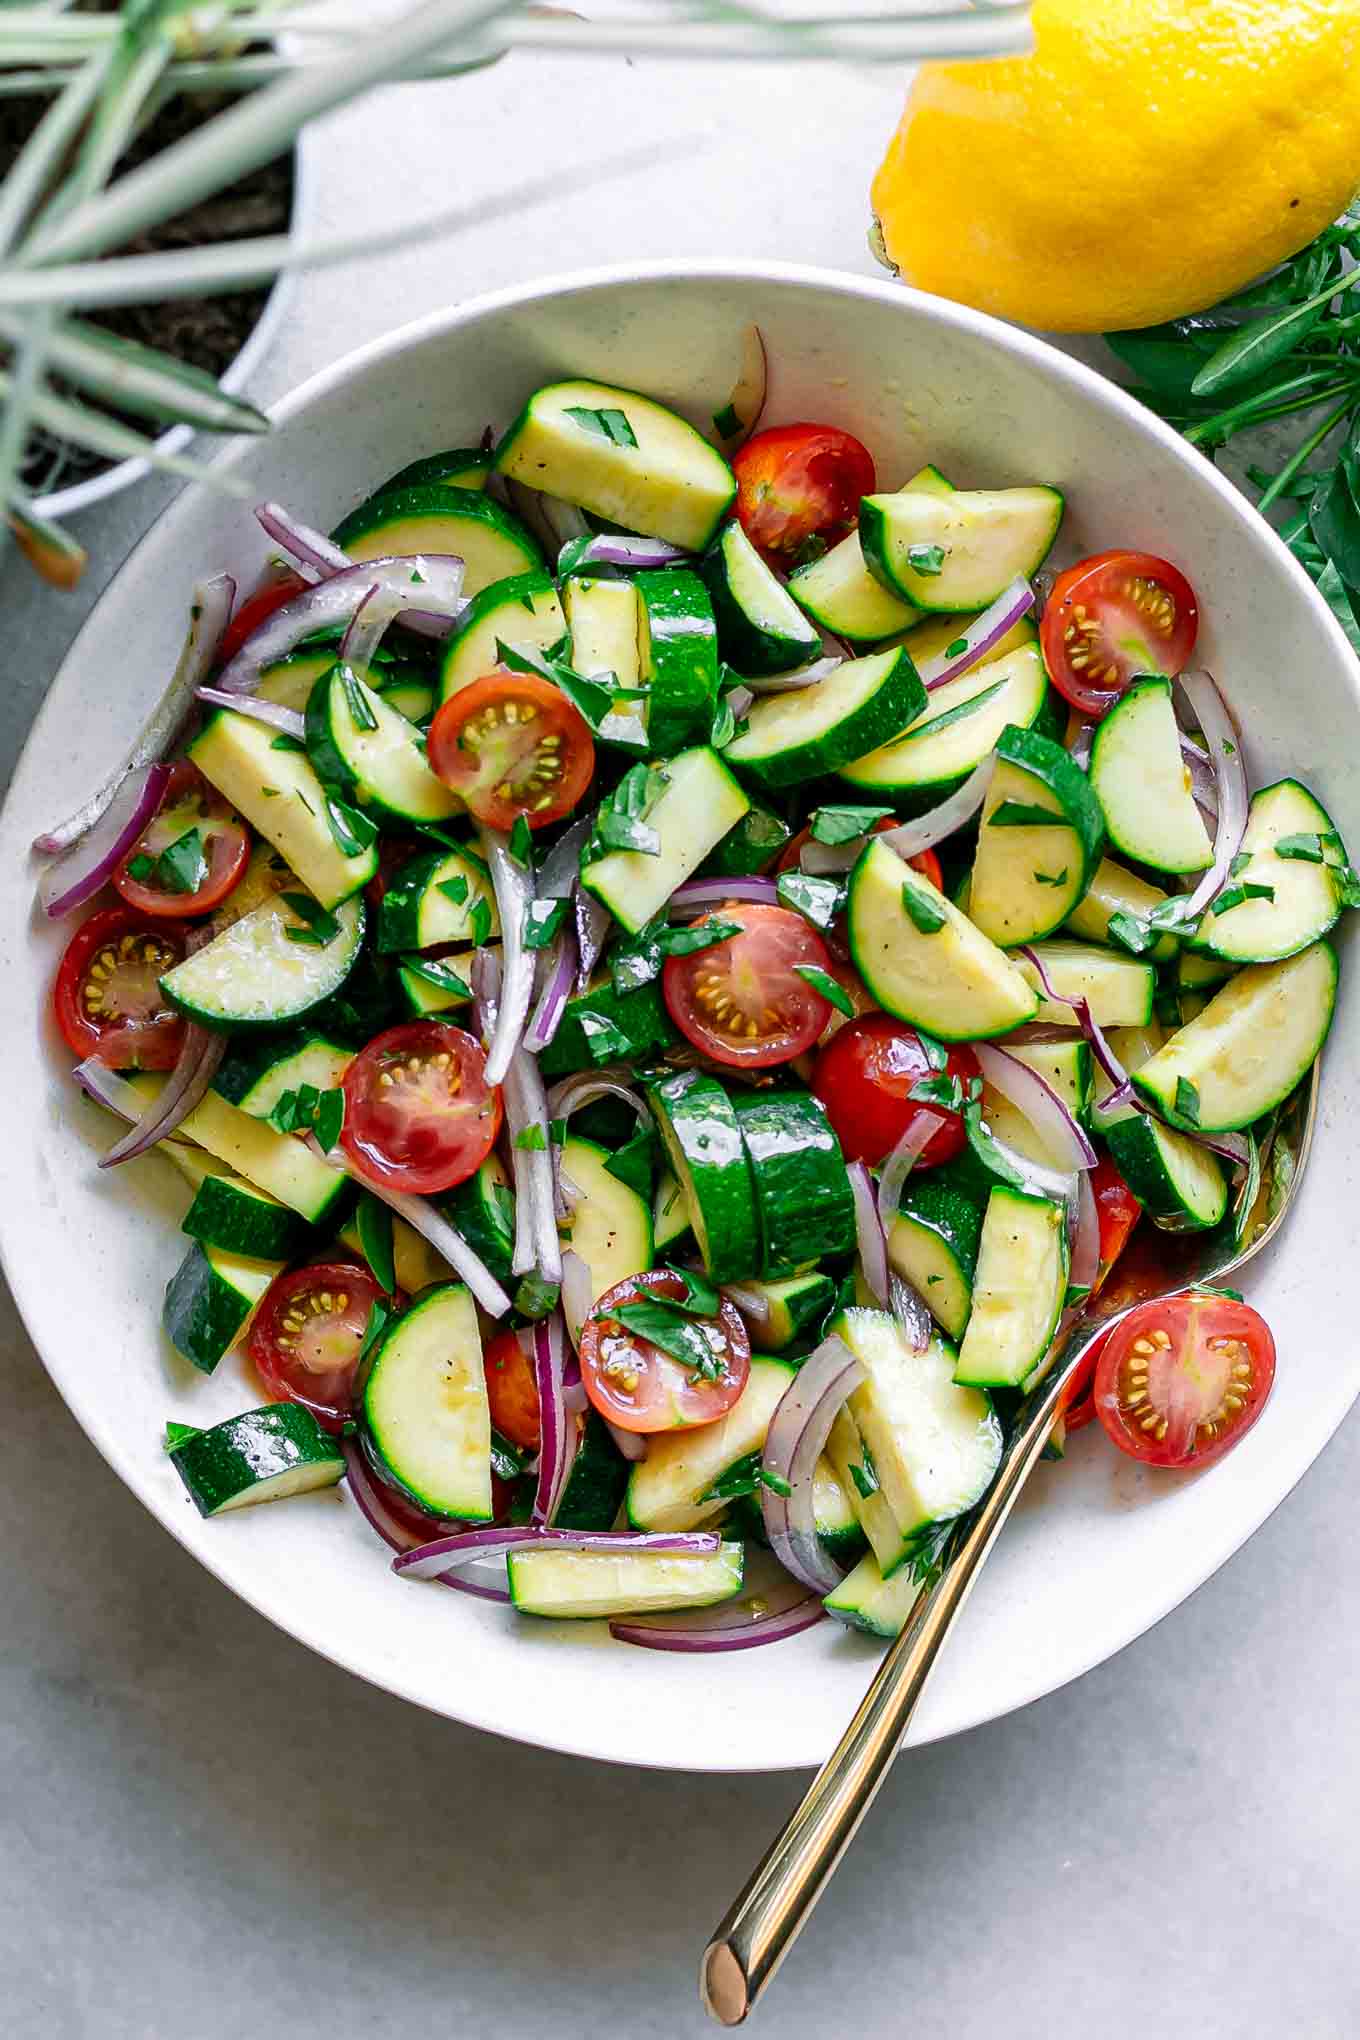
(946, 315)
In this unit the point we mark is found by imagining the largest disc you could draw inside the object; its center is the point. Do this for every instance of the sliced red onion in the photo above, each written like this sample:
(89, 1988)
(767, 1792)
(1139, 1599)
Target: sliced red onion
(1059, 1185)
(426, 583)
(315, 554)
(562, 520)
(208, 618)
(559, 1436)
(562, 865)
(978, 636)
(1079, 750)
(797, 1435)
(530, 506)
(1203, 783)
(373, 1507)
(1231, 796)
(93, 859)
(368, 626)
(811, 675)
(578, 1294)
(514, 888)
(574, 1093)
(197, 1064)
(592, 929)
(900, 1163)
(749, 1302)
(289, 720)
(932, 827)
(620, 549)
(739, 700)
(485, 976)
(465, 1547)
(1100, 1048)
(631, 1446)
(109, 1088)
(747, 400)
(1233, 1147)
(697, 895)
(420, 1214)
(1040, 1104)
(873, 1251)
(784, 1611)
(1114, 1102)
(911, 1313)
(536, 1243)
(1084, 1263)
(559, 971)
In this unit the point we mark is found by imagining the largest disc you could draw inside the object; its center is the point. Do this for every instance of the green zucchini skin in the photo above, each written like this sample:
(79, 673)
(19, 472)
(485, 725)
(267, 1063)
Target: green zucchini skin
(475, 512)
(855, 710)
(748, 848)
(703, 1139)
(680, 657)
(259, 1456)
(597, 1482)
(640, 1017)
(803, 1196)
(228, 1212)
(208, 1302)
(761, 630)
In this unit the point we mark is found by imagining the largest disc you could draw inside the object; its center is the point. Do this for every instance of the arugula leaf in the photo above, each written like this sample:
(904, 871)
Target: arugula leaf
(818, 900)
(833, 825)
(611, 424)
(1051, 877)
(373, 1221)
(830, 988)
(1334, 518)
(322, 926)
(1187, 1101)
(926, 917)
(663, 1324)
(356, 701)
(542, 922)
(926, 560)
(1023, 814)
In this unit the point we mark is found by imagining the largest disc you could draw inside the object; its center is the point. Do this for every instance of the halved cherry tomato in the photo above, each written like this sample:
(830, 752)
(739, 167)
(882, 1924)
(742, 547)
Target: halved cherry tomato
(637, 1385)
(742, 1000)
(255, 610)
(222, 843)
(1118, 1211)
(1181, 1380)
(1111, 617)
(797, 483)
(925, 861)
(512, 744)
(512, 1391)
(304, 1343)
(107, 998)
(865, 1076)
(419, 1113)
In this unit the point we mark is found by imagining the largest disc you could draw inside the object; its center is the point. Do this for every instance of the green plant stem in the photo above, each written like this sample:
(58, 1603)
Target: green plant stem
(48, 146)
(113, 441)
(1302, 453)
(1261, 409)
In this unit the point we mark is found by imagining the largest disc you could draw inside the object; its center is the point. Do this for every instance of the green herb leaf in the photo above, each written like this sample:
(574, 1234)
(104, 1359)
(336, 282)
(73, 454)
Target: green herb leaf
(380, 1315)
(354, 833)
(142, 868)
(329, 1119)
(283, 742)
(177, 1434)
(438, 972)
(322, 926)
(983, 1143)
(1254, 348)
(818, 900)
(598, 698)
(775, 1482)
(736, 1480)
(542, 922)
(522, 843)
(1051, 877)
(957, 649)
(663, 1324)
(531, 1140)
(618, 820)
(605, 1041)
(454, 890)
(926, 560)
(865, 1474)
(723, 730)
(1187, 1101)
(830, 988)
(701, 1297)
(1237, 895)
(944, 1091)
(356, 699)
(1306, 847)
(835, 825)
(507, 1461)
(1023, 814)
(638, 961)
(182, 866)
(479, 921)
(925, 915)
(635, 1162)
(937, 1055)
(536, 1298)
(608, 424)
(726, 423)
(373, 1221)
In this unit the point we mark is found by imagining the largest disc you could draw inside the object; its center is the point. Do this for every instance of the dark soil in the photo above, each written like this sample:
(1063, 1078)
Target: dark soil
(206, 332)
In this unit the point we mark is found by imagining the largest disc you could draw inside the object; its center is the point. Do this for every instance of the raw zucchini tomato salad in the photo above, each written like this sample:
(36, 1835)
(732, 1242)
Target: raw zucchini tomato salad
(669, 972)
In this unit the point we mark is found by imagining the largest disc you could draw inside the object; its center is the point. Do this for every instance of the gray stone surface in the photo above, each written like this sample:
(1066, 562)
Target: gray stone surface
(207, 1832)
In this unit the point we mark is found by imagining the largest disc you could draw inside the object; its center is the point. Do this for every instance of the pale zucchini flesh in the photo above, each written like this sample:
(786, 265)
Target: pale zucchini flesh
(698, 804)
(950, 736)
(608, 1224)
(581, 1584)
(1119, 989)
(281, 797)
(1304, 898)
(1019, 1290)
(1116, 891)
(864, 1600)
(522, 612)
(261, 971)
(957, 551)
(425, 1409)
(1144, 785)
(669, 1489)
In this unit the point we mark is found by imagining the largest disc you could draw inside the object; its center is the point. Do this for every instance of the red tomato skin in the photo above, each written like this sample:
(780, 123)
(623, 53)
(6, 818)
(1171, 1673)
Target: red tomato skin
(863, 1076)
(512, 1392)
(135, 1045)
(1196, 1324)
(451, 760)
(228, 851)
(671, 1400)
(1119, 1212)
(381, 1134)
(784, 940)
(255, 610)
(330, 1394)
(1098, 587)
(800, 482)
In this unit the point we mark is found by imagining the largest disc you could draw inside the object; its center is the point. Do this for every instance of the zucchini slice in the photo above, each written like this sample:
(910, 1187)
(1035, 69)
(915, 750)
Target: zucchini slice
(795, 1304)
(266, 969)
(1253, 1043)
(670, 1214)
(1115, 891)
(840, 593)
(1019, 1290)
(414, 699)
(866, 1601)
(605, 622)
(957, 551)
(581, 1584)
(415, 1263)
(437, 984)
(435, 518)
(924, 961)
(369, 753)
(670, 1488)
(699, 802)
(804, 1204)
(598, 1480)
(483, 1210)
(933, 1243)
(240, 1218)
(1179, 1182)
(277, 1162)
(1143, 785)
(522, 612)
(794, 737)
(278, 792)
(833, 1513)
(440, 896)
(256, 1071)
(260, 1456)
(462, 467)
(601, 1025)
(678, 657)
(1066, 1068)
(959, 725)
(1292, 848)
(1119, 989)
(761, 629)
(610, 1226)
(703, 1142)
(210, 1300)
(1029, 873)
(425, 1413)
(622, 456)
(750, 847)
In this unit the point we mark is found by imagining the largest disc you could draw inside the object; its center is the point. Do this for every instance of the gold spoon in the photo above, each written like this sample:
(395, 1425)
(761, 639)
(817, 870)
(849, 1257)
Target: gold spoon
(765, 1920)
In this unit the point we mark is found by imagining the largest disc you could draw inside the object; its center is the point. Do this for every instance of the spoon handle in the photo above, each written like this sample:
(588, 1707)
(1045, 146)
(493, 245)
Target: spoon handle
(767, 1918)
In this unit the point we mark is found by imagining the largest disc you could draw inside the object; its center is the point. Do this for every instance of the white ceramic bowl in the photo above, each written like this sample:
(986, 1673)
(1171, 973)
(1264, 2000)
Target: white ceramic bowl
(1100, 1548)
